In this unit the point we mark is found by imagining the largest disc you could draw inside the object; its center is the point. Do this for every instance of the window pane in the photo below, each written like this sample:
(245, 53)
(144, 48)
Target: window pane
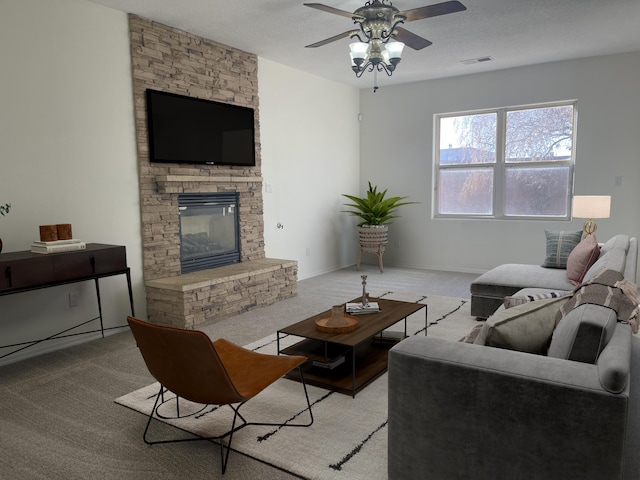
(537, 191)
(539, 134)
(466, 191)
(468, 139)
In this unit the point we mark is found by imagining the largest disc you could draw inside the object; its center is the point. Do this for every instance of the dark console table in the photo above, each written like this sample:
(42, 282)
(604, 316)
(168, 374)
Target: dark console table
(25, 271)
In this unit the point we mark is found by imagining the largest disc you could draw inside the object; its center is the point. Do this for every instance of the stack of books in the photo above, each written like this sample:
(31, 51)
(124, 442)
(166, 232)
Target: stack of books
(359, 308)
(57, 246)
(330, 365)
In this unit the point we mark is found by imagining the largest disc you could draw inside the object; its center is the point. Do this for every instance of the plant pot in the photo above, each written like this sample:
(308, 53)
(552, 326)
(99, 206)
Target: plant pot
(373, 238)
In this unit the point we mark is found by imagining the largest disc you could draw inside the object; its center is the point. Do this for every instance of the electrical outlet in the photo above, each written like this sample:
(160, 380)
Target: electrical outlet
(73, 299)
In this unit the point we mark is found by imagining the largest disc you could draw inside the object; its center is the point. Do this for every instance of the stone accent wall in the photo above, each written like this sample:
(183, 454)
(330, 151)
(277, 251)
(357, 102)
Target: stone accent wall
(171, 60)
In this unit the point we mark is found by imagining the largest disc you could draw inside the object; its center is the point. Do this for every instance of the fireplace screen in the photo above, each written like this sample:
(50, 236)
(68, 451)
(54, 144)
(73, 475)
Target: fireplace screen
(208, 230)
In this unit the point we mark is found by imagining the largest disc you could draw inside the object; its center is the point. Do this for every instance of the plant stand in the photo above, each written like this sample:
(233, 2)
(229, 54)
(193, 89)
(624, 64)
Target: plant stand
(373, 239)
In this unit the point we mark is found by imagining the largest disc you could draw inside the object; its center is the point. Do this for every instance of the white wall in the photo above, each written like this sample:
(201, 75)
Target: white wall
(67, 155)
(606, 89)
(310, 155)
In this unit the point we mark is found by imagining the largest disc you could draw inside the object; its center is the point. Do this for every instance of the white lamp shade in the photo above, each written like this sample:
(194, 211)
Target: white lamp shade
(358, 50)
(591, 206)
(394, 49)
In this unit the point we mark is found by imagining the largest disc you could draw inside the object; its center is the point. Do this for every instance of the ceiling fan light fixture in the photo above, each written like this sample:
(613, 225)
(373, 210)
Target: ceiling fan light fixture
(394, 51)
(379, 22)
(359, 51)
(356, 64)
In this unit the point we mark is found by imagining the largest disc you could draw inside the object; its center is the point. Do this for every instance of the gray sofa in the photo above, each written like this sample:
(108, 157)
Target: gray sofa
(470, 411)
(489, 289)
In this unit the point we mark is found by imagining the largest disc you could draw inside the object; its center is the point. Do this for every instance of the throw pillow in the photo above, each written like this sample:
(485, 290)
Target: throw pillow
(559, 246)
(582, 258)
(525, 328)
(520, 299)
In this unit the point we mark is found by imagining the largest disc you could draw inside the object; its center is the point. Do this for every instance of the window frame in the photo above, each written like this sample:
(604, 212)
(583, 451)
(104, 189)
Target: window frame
(500, 166)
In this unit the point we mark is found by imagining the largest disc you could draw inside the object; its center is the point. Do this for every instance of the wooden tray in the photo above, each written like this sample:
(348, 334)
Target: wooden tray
(351, 323)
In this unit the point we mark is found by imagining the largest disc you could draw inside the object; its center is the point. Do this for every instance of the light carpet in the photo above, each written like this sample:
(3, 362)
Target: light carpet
(348, 439)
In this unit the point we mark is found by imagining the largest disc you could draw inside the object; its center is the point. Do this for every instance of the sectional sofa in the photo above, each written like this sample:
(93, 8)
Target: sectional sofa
(489, 289)
(543, 393)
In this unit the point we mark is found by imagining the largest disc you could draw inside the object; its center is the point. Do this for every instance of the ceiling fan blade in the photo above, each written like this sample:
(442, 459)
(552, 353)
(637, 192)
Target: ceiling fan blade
(331, 39)
(435, 10)
(411, 39)
(325, 8)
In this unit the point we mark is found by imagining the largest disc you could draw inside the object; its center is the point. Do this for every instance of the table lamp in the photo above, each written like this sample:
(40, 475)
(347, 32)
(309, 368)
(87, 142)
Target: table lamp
(591, 206)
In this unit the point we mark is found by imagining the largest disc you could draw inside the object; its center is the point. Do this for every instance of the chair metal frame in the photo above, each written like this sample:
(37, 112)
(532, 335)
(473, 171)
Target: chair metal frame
(235, 406)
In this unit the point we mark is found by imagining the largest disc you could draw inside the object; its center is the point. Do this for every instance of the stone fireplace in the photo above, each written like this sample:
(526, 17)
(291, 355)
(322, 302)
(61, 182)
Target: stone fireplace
(172, 60)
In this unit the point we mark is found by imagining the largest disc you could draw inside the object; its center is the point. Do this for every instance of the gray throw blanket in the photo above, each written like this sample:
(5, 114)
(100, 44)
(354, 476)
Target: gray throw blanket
(610, 289)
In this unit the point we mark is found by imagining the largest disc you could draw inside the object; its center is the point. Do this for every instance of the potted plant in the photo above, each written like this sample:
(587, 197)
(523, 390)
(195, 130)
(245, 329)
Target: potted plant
(376, 213)
(4, 210)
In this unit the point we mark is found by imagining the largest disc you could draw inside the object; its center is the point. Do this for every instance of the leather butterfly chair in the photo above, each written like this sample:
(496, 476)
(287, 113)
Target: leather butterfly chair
(189, 364)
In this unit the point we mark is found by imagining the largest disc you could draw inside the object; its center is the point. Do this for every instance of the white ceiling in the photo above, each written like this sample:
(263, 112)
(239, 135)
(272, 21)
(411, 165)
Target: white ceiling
(511, 32)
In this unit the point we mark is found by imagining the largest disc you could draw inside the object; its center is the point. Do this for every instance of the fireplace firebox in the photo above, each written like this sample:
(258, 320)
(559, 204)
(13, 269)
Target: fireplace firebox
(209, 230)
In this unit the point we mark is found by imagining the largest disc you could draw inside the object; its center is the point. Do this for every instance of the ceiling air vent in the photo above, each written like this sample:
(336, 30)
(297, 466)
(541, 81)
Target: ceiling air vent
(476, 60)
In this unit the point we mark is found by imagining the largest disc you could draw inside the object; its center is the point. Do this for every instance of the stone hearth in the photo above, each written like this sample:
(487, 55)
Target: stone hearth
(200, 298)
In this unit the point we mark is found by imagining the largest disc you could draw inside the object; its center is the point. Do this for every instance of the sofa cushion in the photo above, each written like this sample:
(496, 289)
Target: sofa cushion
(508, 278)
(563, 341)
(613, 256)
(525, 328)
(582, 258)
(559, 246)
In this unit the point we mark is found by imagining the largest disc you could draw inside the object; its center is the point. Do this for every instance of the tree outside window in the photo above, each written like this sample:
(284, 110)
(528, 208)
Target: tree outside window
(506, 163)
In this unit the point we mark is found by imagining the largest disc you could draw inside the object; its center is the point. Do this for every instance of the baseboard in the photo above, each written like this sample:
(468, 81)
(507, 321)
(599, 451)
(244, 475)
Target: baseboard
(393, 265)
(323, 272)
(437, 268)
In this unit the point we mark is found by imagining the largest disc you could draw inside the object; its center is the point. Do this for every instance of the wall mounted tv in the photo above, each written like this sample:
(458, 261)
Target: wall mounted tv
(191, 130)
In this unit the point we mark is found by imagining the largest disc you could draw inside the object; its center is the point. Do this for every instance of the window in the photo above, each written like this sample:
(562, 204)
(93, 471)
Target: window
(506, 163)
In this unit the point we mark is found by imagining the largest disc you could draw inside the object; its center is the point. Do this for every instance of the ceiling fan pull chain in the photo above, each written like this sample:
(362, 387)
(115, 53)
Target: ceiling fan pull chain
(375, 80)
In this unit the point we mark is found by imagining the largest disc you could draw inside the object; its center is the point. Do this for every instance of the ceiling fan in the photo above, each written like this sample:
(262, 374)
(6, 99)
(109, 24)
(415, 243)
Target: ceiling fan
(379, 22)
(379, 15)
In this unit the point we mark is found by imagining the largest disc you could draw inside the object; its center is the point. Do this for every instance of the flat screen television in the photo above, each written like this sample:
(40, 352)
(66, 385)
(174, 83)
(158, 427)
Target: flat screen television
(192, 130)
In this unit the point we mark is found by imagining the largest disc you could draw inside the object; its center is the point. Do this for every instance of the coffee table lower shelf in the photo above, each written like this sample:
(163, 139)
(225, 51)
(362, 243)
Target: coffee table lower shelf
(370, 362)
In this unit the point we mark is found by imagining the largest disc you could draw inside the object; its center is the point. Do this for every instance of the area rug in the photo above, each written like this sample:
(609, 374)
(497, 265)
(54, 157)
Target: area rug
(348, 439)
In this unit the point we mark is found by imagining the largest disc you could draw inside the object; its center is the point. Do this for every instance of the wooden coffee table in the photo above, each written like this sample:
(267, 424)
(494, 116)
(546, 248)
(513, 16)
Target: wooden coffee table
(348, 362)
